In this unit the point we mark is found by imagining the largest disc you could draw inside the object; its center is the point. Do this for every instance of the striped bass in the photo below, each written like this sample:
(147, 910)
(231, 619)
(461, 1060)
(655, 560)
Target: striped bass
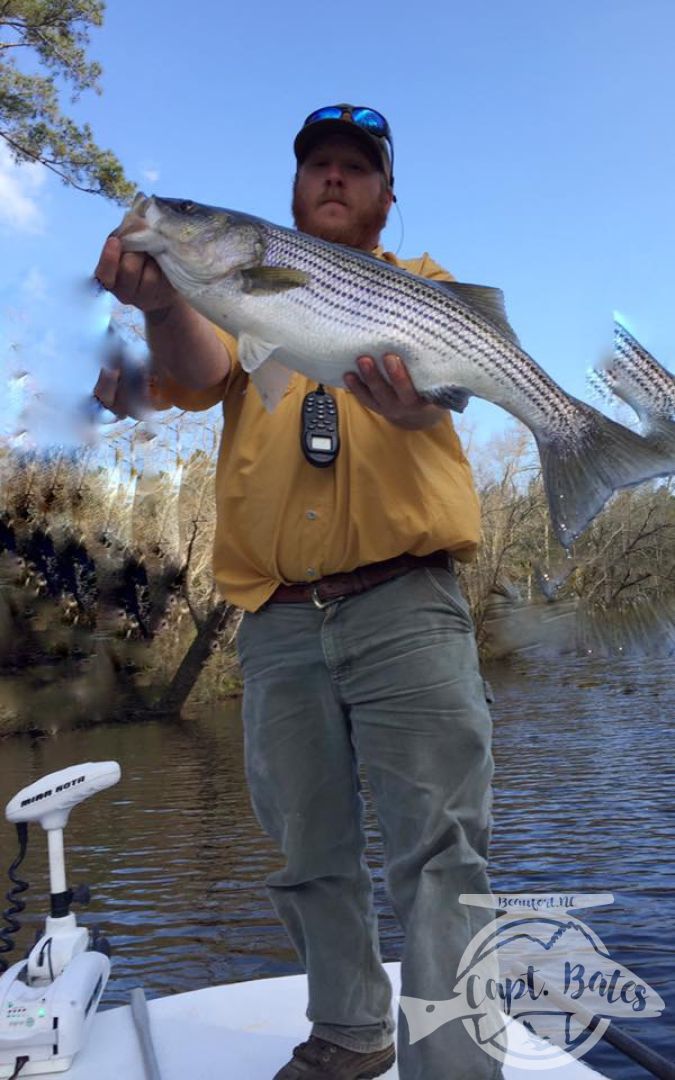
(295, 302)
(636, 377)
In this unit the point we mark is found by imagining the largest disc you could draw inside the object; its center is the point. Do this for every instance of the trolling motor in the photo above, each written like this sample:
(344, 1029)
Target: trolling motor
(48, 1001)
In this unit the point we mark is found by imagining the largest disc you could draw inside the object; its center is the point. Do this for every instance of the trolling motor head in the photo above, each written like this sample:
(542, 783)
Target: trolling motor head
(49, 802)
(51, 799)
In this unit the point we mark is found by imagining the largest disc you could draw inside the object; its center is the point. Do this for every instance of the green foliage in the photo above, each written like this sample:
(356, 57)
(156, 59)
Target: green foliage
(53, 35)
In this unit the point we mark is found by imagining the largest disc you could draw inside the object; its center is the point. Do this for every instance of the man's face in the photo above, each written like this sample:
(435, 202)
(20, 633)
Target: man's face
(340, 195)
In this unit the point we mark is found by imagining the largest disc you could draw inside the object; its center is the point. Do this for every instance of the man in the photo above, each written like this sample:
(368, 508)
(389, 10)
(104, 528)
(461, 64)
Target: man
(356, 646)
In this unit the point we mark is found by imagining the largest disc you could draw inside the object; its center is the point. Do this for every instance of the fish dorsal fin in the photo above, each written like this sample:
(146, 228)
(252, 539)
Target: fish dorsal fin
(272, 279)
(487, 301)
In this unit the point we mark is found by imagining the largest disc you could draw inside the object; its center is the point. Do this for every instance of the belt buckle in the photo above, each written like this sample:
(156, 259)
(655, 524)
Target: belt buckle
(321, 604)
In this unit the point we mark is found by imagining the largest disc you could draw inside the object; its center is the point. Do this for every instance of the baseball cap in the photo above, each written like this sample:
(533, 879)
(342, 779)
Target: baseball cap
(365, 125)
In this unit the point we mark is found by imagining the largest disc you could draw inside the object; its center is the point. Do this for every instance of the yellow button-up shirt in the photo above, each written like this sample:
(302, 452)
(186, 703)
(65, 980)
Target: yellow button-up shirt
(280, 519)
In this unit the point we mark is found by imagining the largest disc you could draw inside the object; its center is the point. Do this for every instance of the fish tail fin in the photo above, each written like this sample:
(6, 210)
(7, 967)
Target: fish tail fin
(582, 470)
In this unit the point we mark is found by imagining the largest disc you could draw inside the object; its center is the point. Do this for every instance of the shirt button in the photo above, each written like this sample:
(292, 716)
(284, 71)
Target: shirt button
(311, 515)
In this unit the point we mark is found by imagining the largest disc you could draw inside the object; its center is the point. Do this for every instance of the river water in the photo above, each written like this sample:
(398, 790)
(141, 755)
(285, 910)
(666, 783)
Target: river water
(584, 802)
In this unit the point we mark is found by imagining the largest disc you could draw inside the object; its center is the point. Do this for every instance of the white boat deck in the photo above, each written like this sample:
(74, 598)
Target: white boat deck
(244, 1030)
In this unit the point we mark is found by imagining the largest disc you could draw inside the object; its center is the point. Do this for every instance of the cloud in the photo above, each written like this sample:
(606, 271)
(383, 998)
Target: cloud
(19, 184)
(150, 173)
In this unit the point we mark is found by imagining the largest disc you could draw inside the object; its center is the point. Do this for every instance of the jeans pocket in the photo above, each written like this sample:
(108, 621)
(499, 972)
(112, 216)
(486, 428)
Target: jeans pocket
(445, 584)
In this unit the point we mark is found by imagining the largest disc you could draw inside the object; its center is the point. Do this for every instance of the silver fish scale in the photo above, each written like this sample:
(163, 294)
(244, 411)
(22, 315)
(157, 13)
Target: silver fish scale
(358, 296)
(636, 369)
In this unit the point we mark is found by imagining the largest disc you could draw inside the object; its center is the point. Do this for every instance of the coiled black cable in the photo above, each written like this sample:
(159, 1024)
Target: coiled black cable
(17, 906)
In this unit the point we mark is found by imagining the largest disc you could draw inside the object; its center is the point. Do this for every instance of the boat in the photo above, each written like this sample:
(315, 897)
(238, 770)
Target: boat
(49, 1019)
(245, 1030)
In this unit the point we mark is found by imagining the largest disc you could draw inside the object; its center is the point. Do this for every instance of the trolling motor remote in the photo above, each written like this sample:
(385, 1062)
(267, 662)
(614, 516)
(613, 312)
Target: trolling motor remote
(48, 1001)
(319, 435)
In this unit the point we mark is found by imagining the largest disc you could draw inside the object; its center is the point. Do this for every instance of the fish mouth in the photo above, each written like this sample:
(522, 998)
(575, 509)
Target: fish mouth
(139, 224)
(135, 217)
(141, 203)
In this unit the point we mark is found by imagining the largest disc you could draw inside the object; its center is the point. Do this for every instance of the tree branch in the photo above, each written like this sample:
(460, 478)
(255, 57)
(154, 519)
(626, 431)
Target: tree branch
(50, 164)
(628, 584)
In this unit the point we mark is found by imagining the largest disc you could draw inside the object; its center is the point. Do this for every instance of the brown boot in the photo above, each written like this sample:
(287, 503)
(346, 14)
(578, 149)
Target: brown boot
(317, 1059)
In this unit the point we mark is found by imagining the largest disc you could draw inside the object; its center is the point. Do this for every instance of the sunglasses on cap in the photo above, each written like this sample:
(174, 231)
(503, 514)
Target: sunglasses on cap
(369, 120)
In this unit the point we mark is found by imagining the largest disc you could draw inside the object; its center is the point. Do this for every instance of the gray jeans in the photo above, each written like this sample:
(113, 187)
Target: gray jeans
(388, 679)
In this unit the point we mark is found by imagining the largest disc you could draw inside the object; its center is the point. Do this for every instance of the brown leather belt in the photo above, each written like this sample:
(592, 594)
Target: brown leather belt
(337, 586)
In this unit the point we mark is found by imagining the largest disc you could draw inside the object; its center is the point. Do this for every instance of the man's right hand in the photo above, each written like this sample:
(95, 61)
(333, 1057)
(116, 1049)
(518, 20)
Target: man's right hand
(123, 392)
(134, 278)
(183, 344)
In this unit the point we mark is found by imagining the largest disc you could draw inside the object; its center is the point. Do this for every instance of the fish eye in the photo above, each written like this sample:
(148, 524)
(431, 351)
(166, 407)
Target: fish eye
(187, 207)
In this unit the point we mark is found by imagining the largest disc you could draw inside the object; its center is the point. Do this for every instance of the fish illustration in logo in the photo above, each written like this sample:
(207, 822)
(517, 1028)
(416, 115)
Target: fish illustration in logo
(549, 971)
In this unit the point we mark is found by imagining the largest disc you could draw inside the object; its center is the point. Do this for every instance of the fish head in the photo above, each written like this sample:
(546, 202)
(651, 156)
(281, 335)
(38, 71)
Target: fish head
(194, 244)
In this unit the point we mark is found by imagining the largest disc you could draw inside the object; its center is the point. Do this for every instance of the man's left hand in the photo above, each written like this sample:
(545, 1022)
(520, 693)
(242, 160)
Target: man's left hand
(397, 401)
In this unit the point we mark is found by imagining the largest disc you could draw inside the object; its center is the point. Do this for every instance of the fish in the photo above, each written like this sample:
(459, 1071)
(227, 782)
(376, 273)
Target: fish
(512, 625)
(298, 303)
(637, 378)
(549, 582)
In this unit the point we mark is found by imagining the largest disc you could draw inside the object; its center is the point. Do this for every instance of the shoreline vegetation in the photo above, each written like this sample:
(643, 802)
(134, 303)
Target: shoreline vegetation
(109, 613)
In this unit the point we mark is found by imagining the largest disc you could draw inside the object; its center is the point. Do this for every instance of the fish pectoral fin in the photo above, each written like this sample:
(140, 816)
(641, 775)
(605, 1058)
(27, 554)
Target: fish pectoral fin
(271, 381)
(272, 279)
(487, 301)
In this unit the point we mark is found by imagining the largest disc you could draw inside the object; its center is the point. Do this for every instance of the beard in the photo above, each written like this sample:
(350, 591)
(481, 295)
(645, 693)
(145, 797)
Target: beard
(361, 231)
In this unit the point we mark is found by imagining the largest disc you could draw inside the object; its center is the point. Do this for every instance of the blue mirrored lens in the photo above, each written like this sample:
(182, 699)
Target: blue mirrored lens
(370, 120)
(331, 112)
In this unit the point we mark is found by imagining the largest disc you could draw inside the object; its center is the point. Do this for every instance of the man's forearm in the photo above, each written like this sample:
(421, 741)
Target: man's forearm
(185, 346)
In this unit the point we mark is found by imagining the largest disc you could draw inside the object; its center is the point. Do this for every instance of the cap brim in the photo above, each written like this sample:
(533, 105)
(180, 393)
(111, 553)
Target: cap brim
(374, 146)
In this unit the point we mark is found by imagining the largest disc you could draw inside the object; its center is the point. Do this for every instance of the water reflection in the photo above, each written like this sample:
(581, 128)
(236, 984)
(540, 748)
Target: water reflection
(584, 801)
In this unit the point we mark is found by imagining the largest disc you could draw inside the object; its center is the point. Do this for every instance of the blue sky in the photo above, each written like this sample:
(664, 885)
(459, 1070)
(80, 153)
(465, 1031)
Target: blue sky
(535, 151)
